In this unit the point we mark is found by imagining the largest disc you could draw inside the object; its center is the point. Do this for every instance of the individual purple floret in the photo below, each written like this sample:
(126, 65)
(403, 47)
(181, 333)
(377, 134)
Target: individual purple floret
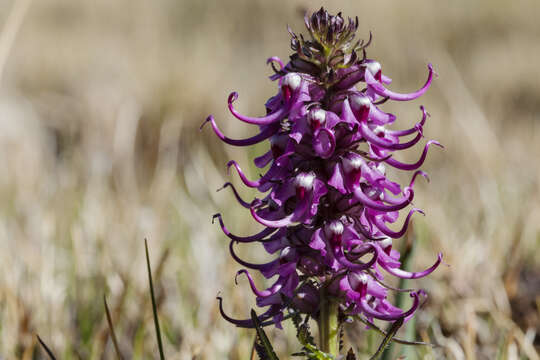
(327, 201)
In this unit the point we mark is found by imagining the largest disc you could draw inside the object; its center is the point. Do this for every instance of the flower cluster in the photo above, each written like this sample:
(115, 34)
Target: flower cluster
(327, 199)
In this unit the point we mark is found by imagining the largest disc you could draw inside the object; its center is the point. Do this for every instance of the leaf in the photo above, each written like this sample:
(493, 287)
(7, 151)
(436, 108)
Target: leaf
(391, 332)
(316, 354)
(302, 331)
(262, 344)
(399, 341)
(351, 355)
(154, 306)
(341, 343)
(111, 329)
(47, 350)
(306, 339)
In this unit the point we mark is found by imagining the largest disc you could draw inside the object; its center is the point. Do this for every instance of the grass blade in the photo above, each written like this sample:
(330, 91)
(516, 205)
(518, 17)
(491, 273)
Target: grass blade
(263, 339)
(253, 351)
(47, 350)
(383, 333)
(111, 328)
(391, 332)
(154, 307)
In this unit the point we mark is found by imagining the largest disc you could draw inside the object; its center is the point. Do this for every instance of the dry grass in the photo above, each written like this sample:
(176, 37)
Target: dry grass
(100, 102)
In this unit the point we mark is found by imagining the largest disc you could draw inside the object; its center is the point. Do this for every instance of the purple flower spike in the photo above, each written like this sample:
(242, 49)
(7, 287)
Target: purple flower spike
(326, 205)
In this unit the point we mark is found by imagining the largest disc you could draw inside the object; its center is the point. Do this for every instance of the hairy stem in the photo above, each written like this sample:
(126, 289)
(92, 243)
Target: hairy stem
(329, 325)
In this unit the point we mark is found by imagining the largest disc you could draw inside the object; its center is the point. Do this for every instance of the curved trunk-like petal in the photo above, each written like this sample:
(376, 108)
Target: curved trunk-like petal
(248, 323)
(380, 90)
(368, 235)
(416, 173)
(265, 120)
(238, 198)
(369, 311)
(265, 293)
(275, 173)
(266, 133)
(298, 215)
(385, 79)
(275, 59)
(380, 117)
(243, 239)
(413, 275)
(367, 201)
(393, 288)
(286, 221)
(416, 128)
(243, 177)
(384, 143)
(353, 266)
(416, 165)
(261, 267)
(408, 192)
(394, 234)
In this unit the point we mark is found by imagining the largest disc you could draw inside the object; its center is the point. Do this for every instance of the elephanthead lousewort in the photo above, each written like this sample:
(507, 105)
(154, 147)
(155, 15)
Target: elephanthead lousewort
(326, 199)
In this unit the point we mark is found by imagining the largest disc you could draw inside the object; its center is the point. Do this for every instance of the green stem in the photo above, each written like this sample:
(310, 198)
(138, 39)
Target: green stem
(329, 325)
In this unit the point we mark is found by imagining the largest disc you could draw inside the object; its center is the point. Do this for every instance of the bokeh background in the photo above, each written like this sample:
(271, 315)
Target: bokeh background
(100, 107)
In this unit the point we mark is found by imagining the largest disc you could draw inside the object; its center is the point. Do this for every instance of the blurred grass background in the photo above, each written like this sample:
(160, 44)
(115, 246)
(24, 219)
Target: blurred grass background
(100, 104)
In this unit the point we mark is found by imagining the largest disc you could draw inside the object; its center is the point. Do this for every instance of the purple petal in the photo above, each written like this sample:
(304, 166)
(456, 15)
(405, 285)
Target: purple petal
(324, 143)
(265, 120)
(243, 177)
(369, 311)
(265, 293)
(317, 242)
(367, 201)
(286, 221)
(380, 117)
(354, 266)
(416, 173)
(275, 59)
(266, 133)
(336, 180)
(416, 165)
(248, 323)
(261, 267)
(244, 239)
(385, 143)
(416, 128)
(414, 275)
(394, 234)
(382, 91)
(238, 198)
(263, 160)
